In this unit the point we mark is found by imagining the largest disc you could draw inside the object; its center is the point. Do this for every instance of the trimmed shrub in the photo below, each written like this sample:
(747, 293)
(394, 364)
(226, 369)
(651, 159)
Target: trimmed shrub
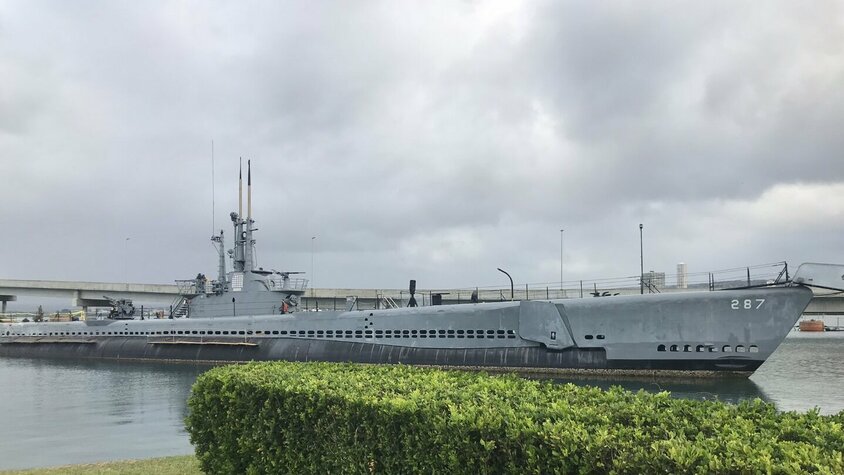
(284, 417)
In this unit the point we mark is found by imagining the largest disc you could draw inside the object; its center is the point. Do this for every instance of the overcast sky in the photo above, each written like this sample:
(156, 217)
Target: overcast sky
(427, 140)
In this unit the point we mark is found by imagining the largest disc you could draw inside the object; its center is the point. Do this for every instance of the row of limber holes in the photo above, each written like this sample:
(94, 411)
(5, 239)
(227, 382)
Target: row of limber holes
(306, 333)
(709, 348)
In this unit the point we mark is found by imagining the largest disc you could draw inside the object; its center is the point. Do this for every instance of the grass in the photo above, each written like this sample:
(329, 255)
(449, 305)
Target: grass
(183, 464)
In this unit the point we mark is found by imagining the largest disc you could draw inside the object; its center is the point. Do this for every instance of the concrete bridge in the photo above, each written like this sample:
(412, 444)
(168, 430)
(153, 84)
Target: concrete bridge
(92, 294)
(86, 294)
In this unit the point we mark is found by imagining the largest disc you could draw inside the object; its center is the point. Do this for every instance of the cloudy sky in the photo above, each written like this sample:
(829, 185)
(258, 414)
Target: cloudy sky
(428, 140)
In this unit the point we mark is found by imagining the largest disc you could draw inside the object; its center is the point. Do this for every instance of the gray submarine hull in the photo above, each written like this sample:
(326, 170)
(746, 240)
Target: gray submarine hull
(710, 333)
(527, 358)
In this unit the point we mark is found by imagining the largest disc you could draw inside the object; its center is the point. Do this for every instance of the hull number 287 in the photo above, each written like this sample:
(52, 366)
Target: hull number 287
(746, 304)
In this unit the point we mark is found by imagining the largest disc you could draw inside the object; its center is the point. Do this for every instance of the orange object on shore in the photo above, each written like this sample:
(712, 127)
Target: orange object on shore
(811, 326)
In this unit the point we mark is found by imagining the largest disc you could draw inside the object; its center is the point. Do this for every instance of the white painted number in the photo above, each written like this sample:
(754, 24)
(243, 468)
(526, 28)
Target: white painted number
(746, 304)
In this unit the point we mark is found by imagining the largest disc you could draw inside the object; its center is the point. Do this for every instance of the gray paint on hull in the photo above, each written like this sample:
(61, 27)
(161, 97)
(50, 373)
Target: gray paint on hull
(541, 322)
(634, 326)
(291, 349)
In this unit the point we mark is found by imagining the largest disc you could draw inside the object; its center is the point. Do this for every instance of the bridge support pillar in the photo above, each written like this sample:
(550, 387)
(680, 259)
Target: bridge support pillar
(6, 298)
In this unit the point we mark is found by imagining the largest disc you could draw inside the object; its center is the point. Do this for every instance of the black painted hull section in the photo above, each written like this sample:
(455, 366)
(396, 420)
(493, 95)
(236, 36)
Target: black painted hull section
(291, 349)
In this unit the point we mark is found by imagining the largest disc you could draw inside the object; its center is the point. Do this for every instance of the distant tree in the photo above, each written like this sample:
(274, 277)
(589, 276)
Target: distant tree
(39, 315)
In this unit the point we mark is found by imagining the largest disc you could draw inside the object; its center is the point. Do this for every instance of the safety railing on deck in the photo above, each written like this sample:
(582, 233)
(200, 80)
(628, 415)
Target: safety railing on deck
(188, 287)
(650, 282)
(277, 282)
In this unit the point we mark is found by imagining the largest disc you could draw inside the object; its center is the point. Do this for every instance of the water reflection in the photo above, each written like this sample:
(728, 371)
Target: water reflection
(805, 372)
(61, 412)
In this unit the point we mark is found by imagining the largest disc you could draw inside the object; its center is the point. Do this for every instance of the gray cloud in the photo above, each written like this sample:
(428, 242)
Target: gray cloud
(435, 141)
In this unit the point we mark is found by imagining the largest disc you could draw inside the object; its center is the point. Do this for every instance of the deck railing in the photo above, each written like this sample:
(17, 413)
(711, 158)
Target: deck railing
(650, 282)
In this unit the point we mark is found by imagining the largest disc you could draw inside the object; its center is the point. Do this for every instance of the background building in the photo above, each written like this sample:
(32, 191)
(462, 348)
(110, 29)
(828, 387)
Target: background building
(682, 276)
(654, 279)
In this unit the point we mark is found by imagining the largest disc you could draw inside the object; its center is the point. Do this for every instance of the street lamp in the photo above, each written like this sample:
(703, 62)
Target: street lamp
(511, 281)
(641, 263)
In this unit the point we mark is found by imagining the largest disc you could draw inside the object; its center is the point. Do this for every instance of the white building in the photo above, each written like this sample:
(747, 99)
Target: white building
(682, 276)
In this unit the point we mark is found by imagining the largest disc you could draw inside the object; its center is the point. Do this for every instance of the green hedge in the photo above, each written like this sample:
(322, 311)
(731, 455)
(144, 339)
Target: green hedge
(344, 418)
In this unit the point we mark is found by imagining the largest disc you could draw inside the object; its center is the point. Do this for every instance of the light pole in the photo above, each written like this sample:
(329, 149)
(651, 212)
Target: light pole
(313, 238)
(511, 281)
(641, 263)
(125, 258)
(561, 261)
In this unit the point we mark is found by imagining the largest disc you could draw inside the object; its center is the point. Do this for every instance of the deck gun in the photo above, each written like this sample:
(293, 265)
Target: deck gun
(121, 309)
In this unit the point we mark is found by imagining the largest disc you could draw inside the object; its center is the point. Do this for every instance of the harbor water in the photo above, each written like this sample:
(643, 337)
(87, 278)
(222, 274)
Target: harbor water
(68, 412)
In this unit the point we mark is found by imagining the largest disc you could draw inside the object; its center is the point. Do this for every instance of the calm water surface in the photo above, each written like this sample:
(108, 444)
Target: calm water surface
(56, 413)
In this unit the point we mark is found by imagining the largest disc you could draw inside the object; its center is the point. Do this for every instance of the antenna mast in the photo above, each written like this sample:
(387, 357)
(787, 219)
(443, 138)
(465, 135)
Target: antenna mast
(213, 193)
(249, 253)
(240, 189)
(249, 190)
